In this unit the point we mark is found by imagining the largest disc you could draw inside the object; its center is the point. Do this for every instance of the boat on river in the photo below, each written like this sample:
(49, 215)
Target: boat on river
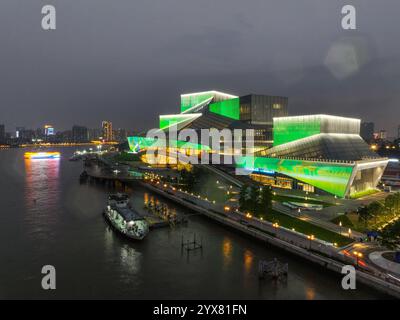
(124, 219)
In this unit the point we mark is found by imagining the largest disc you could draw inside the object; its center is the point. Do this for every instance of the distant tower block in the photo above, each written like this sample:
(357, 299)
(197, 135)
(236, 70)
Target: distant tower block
(107, 131)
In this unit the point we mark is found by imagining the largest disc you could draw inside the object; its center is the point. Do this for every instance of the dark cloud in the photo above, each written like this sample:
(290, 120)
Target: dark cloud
(128, 61)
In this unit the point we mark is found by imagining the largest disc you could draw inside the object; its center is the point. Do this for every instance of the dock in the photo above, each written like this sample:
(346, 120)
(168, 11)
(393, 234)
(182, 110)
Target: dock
(159, 216)
(274, 269)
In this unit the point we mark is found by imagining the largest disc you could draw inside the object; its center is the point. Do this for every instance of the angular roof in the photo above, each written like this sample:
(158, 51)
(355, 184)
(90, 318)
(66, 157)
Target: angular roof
(332, 146)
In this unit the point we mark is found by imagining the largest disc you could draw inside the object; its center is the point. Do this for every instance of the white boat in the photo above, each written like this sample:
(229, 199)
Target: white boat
(125, 220)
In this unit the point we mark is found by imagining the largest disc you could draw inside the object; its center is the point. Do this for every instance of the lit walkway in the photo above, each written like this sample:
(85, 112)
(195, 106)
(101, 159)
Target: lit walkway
(390, 266)
(314, 217)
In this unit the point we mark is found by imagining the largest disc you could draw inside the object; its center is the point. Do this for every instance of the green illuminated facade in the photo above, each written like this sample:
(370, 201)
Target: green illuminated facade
(323, 151)
(330, 177)
(294, 129)
(191, 100)
(227, 108)
(312, 152)
(195, 105)
(288, 129)
(138, 144)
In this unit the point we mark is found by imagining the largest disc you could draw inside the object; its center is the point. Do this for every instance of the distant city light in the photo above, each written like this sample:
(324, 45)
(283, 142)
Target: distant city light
(48, 130)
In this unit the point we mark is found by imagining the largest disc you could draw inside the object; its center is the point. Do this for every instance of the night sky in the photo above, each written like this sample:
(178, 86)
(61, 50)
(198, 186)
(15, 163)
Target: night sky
(128, 61)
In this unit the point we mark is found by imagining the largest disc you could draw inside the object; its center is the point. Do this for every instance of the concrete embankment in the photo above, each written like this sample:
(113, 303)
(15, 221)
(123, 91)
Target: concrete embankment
(315, 251)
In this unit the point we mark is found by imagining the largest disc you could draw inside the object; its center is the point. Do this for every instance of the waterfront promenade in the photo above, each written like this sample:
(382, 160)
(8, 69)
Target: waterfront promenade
(308, 247)
(314, 250)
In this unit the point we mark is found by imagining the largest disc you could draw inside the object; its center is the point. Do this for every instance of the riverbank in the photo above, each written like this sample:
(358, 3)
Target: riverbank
(312, 250)
(54, 219)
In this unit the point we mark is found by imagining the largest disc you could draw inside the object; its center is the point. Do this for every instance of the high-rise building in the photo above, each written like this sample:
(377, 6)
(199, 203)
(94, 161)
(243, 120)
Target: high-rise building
(48, 130)
(19, 132)
(95, 134)
(2, 134)
(80, 134)
(24, 135)
(120, 135)
(383, 134)
(367, 130)
(398, 132)
(107, 130)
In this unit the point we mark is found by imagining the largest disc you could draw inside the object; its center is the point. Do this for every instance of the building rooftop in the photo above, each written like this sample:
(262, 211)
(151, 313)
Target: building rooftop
(332, 146)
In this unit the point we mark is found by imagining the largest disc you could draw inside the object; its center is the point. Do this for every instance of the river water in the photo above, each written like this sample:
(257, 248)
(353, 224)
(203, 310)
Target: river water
(48, 218)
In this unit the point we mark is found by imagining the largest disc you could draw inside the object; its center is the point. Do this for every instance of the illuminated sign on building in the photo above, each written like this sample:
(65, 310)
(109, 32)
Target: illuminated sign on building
(48, 130)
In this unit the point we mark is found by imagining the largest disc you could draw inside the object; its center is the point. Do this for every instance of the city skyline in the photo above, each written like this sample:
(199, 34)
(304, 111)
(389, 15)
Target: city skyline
(374, 130)
(116, 70)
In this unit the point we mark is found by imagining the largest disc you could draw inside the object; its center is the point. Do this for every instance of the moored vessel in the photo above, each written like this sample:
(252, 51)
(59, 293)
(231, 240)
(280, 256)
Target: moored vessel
(124, 219)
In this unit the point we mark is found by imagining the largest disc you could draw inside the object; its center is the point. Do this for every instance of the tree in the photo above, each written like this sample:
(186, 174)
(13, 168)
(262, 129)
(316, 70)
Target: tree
(390, 203)
(375, 209)
(390, 236)
(265, 199)
(243, 198)
(397, 202)
(364, 215)
(189, 178)
(254, 199)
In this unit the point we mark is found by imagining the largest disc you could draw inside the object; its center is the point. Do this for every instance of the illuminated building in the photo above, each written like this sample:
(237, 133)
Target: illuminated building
(214, 109)
(48, 130)
(318, 151)
(382, 135)
(391, 176)
(314, 153)
(20, 132)
(107, 131)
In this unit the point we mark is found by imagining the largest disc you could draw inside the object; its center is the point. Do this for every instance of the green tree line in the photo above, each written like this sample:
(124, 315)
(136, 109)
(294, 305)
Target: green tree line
(256, 200)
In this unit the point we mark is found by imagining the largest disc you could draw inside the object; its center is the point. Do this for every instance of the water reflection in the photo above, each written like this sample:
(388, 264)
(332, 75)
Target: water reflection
(127, 256)
(227, 251)
(52, 219)
(310, 293)
(248, 261)
(130, 259)
(41, 195)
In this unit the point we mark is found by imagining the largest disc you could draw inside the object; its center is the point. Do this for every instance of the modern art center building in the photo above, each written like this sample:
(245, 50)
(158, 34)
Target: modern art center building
(311, 153)
(318, 152)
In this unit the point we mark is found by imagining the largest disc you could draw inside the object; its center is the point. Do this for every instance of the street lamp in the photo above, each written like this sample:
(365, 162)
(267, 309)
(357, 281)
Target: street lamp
(358, 255)
(311, 238)
(276, 226)
(340, 225)
(349, 232)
